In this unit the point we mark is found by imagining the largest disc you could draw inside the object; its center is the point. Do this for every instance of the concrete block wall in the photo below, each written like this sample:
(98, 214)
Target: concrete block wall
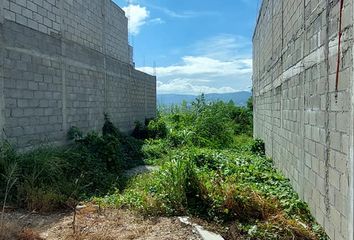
(100, 25)
(42, 15)
(306, 124)
(54, 76)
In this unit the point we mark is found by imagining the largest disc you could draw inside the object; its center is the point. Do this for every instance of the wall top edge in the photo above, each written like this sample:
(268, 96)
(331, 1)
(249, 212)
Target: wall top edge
(115, 5)
(258, 18)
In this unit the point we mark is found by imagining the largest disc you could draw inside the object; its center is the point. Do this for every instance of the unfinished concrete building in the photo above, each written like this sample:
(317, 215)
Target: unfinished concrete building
(65, 63)
(304, 102)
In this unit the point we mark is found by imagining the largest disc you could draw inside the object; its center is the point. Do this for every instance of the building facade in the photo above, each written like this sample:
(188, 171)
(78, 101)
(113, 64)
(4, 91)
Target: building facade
(304, 102)
(65, 63)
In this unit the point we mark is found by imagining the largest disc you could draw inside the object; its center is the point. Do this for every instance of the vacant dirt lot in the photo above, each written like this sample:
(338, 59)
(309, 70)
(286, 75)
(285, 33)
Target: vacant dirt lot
(95, 224)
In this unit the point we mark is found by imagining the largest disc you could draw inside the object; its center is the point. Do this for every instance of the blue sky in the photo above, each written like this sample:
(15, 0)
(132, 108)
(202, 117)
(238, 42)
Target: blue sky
(198, 46)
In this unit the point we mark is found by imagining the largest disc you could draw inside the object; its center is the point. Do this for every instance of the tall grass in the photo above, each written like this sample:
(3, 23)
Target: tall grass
(9, 167)
(50, 178)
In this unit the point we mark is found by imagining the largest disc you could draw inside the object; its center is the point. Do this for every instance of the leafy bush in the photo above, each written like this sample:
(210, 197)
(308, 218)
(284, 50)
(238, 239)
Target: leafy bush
(242, 120)
(118, 151)
(206, 124)
(155, 149)
(157, 128)
(132, 152)
(205, 158)
(153, 129)
(258, 147)
(181, 138)
(213, 130)
(88, 174)
(109, 128)
(75, 133)
(106, 148)
(140, 131)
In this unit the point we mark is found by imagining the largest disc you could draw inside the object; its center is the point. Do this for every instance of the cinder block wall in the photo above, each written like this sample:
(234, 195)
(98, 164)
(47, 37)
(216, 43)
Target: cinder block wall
(64, 63)
(307, 129)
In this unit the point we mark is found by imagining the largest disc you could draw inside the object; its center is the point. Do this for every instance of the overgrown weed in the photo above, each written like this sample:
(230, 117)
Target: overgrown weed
(50, 178)
(210, 167)
(213, 169)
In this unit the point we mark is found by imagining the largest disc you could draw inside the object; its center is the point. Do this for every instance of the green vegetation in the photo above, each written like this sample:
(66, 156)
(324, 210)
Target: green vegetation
(50, 178)
(209, 167)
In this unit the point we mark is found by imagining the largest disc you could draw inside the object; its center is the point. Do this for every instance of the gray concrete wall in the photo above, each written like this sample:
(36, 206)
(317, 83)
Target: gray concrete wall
(307, 129)
(64, 63)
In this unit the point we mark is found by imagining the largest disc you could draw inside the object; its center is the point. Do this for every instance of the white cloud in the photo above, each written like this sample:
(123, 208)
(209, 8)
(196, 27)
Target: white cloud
(220, 64)
(200, 66)
(225, 46)
(156, 21)
(183, 14)
(188, 86)
(137, 17)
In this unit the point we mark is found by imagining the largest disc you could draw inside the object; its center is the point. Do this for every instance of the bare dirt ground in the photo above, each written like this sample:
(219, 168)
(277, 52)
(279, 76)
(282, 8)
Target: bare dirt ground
(96, 224)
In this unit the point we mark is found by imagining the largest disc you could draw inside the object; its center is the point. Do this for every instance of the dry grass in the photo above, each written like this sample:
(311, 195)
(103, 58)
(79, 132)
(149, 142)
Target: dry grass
(29, 234)
(243, 204)
(112, 224)
(250, 207)
(13, 231)
(290, 229)
(93, 223)
(275, 227)
(9, 231)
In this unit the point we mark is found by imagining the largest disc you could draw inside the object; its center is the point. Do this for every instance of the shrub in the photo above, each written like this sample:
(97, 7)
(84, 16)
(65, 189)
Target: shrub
(140, 131)
(204, 124)
(154, 149)
(243, 120)
(179, 138)
(132, 153)
(243, 142)
(75, 133)
(106, 148)
(258, 147)
(109, 128)
(88, 174)
(157, 128)
(205, 158)
(213, 130)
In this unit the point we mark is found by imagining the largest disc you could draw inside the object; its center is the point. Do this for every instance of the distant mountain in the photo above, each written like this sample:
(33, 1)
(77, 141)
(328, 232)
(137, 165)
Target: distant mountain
(239, 98)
